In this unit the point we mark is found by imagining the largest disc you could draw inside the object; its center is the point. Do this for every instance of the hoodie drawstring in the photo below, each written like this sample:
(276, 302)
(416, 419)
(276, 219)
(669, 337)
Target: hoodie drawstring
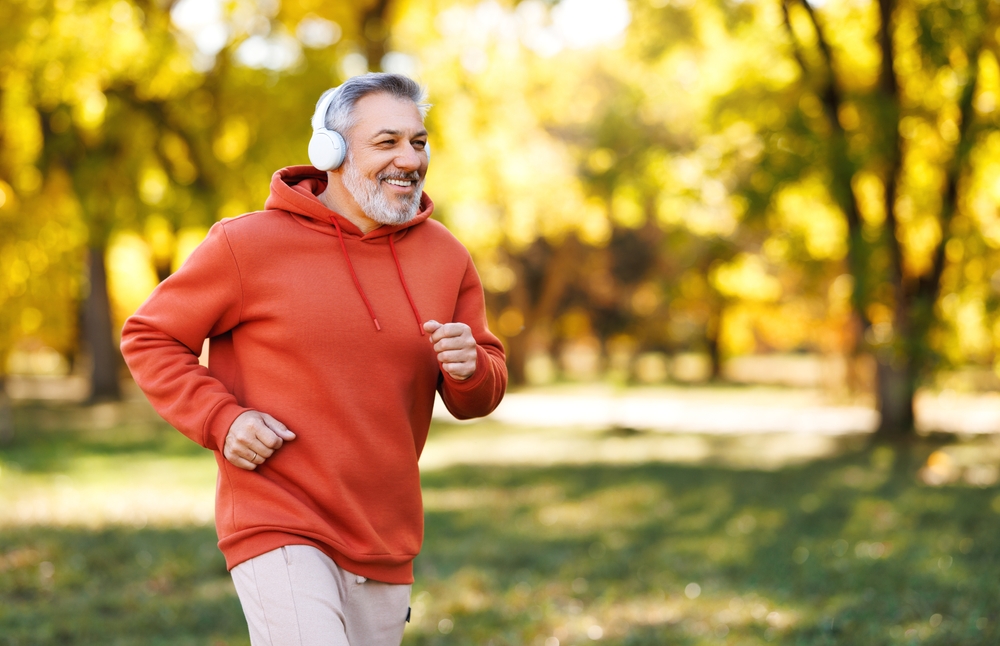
(357, 283)
(399, 268)
(361, 291)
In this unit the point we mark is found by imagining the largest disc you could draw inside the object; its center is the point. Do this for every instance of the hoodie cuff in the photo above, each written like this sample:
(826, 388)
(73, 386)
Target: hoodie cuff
(477, 377)
(219, 422)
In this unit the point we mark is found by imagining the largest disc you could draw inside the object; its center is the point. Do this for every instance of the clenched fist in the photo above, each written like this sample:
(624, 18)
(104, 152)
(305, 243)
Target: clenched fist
(455, 347)
(253, 438)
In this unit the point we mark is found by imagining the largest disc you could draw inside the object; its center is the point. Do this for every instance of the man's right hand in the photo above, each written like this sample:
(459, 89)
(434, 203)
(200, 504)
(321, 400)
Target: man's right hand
(253, 438)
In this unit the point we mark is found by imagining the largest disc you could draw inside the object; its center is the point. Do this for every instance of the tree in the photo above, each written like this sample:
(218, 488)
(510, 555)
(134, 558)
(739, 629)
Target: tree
(111, 119)
(907, 137)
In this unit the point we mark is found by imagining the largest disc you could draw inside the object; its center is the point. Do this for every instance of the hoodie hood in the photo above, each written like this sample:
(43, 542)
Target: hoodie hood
(296, 189)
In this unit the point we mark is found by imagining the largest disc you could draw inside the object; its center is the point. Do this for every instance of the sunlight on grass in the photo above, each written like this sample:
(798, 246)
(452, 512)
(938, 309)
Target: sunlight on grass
(101, 490)
(116, 465)
(534, 536)
(491, 443)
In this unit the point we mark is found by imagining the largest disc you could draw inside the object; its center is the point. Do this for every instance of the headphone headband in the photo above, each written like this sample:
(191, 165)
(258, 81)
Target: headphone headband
(319, 117)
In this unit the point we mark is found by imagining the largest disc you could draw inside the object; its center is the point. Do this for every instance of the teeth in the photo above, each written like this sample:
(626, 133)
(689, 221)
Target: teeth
(400, 182)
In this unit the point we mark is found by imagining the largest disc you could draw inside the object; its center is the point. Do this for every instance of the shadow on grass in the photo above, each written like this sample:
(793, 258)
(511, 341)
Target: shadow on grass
(49, 436)
(849, 550)
(116, 586)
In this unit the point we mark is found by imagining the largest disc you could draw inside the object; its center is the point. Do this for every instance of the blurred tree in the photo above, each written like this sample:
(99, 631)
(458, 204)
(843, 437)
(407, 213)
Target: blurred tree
(76, 142)
(660, 176)
(123, 120)
(898, 85)
(553, 163)
(884, 108)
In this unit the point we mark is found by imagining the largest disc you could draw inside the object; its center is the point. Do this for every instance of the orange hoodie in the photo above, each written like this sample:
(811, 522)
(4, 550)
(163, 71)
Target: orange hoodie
(318, 325)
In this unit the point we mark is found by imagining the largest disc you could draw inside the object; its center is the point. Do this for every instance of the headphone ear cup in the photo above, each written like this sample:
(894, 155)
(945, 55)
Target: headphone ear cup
(327, 149)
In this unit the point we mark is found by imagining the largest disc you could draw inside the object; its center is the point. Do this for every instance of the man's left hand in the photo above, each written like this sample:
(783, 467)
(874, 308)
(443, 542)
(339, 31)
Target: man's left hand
(455, 347)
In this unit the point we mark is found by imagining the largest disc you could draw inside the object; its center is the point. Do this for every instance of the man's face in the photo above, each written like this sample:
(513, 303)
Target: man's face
(386, 158)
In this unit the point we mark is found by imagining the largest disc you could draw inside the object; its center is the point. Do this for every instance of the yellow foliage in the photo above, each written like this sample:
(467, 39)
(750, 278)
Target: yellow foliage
(736, 334)
(805, 209)
(31, 320)
(497, 278)
(187, 239)
(645, 299)
(839, 294)
(511, 322)
(970, 323)
(626, 207)
(131, 278)
(988, 86)
(592, 219)
(476, 224)
(746, 278)
(153, 185)
(159, 236)
(233, 141)
(870, 192)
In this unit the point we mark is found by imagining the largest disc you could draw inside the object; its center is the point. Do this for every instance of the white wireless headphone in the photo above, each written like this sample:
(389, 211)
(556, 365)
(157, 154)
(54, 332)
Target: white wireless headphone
(327, 148)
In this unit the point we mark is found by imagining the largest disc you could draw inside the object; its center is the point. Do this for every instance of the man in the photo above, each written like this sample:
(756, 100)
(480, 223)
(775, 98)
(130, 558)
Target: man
(324, 314)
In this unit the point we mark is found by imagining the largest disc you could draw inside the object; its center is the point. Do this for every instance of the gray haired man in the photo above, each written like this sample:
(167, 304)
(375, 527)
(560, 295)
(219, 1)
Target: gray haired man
(334, 315)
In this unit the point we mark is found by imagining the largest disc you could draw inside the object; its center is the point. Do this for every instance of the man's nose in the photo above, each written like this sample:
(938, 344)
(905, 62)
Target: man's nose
(409, 158)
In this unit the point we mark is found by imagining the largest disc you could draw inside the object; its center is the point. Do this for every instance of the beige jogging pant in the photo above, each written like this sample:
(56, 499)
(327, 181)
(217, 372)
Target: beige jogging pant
(297, 596)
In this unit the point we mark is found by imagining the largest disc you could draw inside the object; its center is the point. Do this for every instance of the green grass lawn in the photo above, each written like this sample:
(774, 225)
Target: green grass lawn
(106, 538)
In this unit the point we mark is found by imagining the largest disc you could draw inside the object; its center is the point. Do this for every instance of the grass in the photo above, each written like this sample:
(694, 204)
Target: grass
(105, 538)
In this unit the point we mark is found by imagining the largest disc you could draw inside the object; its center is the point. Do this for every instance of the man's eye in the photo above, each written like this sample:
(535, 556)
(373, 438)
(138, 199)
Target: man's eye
(420, 145)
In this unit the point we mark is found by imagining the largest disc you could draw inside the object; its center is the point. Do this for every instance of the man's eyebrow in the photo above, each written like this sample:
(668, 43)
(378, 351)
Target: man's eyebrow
(397, 133)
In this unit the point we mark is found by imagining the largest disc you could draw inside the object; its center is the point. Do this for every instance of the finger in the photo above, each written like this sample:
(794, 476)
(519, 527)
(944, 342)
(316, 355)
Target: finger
(264, 435)
(430, 327)
(239, 461)
(250, 452)
(452, 343)
(258, 449)
(244, 434)
(243, 463)
(452, 331)
(455, 356)
(277, 427)
(236, 443)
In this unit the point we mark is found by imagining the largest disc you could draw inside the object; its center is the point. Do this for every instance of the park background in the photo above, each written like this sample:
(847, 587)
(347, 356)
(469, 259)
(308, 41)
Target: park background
(743, 255)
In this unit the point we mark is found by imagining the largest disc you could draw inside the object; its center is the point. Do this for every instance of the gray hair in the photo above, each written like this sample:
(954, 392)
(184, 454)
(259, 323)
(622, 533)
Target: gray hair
(340, 114)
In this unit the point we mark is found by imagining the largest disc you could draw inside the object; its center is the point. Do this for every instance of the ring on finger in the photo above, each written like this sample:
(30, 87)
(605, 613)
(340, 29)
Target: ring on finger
(254, 458)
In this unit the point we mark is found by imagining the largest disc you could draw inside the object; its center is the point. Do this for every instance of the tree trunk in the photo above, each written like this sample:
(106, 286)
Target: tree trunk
(163, 269)
(516, 358)
(712, 341)
(895, 388)
(98, 332)
(6, 415)
(540, 305)
(375, 30)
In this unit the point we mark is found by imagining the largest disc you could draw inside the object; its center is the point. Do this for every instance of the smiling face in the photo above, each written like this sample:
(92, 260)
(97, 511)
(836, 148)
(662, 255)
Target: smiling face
(386, 159)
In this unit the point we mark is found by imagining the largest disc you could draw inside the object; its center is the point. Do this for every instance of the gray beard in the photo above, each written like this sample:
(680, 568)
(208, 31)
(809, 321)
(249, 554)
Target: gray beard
(373, 201)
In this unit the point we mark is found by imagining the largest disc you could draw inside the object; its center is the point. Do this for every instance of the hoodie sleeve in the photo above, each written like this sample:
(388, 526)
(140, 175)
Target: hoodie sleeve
(162, 340)
(478, 395)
